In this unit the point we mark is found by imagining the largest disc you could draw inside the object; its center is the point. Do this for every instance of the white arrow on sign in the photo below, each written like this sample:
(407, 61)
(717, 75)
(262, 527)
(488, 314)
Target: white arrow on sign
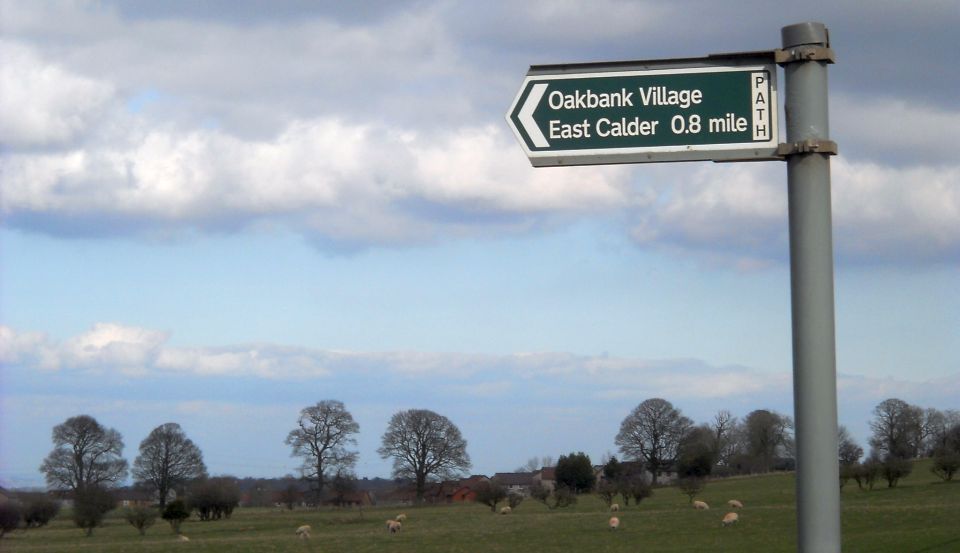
(526, 116)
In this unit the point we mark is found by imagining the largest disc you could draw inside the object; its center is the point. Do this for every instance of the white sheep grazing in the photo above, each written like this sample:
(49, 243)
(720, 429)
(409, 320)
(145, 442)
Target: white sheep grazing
(401, 517)
(304, 532)
(614, 508)
(614, 523)
(734, 504)
(505, 510)
(701, 506)
(181, 537)
(394, 526)
(729, 519)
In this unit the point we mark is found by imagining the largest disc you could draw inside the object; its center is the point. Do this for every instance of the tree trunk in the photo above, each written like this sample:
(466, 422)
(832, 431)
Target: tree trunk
(421, 487)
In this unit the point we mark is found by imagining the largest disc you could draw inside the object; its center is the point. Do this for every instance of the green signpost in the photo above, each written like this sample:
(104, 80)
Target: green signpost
(717, 108)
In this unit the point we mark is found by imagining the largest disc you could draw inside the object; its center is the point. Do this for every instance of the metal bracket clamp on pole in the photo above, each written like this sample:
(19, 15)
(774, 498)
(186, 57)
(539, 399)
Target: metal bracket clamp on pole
(808, 146)
(804, 53)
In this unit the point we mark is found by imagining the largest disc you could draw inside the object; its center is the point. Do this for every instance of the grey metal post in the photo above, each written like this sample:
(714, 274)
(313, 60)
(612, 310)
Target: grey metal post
(811, 290)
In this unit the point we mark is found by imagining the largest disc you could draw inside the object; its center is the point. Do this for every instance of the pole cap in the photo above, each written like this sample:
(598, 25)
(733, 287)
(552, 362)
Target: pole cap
(805, 33)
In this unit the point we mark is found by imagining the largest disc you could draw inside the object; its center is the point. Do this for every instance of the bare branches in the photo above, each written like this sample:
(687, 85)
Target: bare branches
(652, 432)
(423, 443)
(85, 454)
(321, 438)
(168, 459)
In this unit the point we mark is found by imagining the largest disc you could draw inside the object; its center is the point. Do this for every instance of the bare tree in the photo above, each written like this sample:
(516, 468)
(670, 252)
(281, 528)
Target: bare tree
(724, 439)
(896, 429)
(532, 465)
(696, 455)
(168, 458)
(848, 450)
(652, 432)
(768, 433)
(935, 425)
(323, 432)
(422, 444)
(85, 455)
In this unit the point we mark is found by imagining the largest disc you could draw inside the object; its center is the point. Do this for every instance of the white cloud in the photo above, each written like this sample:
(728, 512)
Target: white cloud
(733, 210)
(897, 213)
(136, 352)
(884, 129)
(322, 177)
(739, 213)
(111, 346)
(379, 132)
(44, 104)
(26, 348)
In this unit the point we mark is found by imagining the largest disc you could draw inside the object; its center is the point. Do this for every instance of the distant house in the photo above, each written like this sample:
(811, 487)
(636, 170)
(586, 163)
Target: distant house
(406, 493)
(135, 497)
(467, 490)
(352, 499)
(442, 492)
(667, 475)
(402, 494)
(515, 482)
(546, 477)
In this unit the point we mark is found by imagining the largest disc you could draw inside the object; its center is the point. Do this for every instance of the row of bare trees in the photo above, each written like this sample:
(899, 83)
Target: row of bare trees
(423, 444)
(88, 456)
(420, 442)
(658, 434)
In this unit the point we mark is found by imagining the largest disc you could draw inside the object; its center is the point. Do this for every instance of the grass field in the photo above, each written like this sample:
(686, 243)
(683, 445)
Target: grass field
(922, 515)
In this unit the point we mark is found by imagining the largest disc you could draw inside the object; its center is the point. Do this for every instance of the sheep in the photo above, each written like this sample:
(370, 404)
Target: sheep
(393, 526)
(505, 510)
(701, 506)
(734, 504)
(729, 519)
(401, 517)
(614, 523)
(181, 537)
(614, 508)
(304, 532)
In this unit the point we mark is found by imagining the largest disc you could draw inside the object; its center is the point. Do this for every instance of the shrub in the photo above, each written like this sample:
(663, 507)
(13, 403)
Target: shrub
(90, 506)
(606, 490)
(635, 486)
(490, 493)
(691, 486)
(40, 512)
(9, 517)
(895, 468)
(868, 473)
(560, 497)
(214, 498)
(848, 471)
(141, 518)
(514, 499)
(945, 465)
(564, 497)
(175, 513)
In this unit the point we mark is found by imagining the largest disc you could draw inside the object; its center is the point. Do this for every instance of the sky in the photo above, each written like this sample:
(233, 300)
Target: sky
(220, 213)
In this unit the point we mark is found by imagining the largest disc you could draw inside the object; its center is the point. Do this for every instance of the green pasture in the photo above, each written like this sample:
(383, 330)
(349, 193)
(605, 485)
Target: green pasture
(921, 515)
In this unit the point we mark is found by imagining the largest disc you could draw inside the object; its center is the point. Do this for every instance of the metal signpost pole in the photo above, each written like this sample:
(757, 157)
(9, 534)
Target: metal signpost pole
(806, 54)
